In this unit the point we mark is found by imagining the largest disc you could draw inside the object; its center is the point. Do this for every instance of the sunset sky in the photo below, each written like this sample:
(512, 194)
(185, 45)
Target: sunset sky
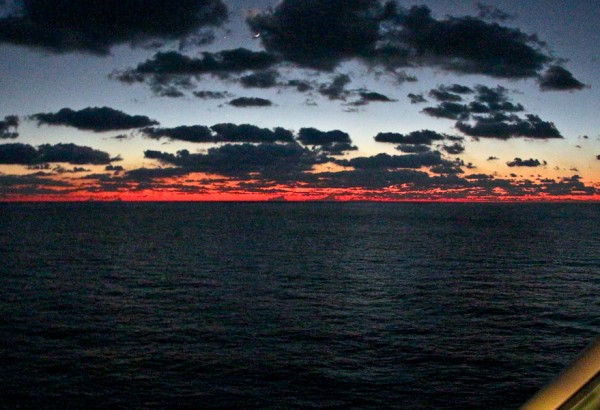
(299, 100)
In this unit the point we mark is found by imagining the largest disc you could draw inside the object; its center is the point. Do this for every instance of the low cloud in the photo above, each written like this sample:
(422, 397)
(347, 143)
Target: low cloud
(228, 132)
(503, 127)
(518, 162)
(211, 95)
(240, 160)
(8, 127)
(95, 27)
(416, 98)
(97, 119)
(224, 132)
(24, 154)
(383, 34)
(222, 63)
(260, 79)
(336, 90)
(245, 102)
(334, 142)
(386, 161)
(422, 137)
(557, 78)
(490, 114)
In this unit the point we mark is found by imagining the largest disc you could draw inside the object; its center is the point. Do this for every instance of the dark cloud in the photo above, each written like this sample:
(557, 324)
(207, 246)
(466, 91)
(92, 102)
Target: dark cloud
(271, 160)
(114, 168)
(416, 98)
(338, 148)
(491, 114)
(447, 168)
(211, 95)
(300, 85)
(18, 154)
(458, 89)
(486, 100)
(243, 102)
(190, 133)
(454, 149)
(441, 94)
(518, 162)
(385, 161)
(598, 157)
(333, 142)
(260, 79)
(221, 63)
(493, 158)
(422, 137)
(449, 110)
(383, 34)
(96, 26)
(227, 132)
(557, 78)
(97, 119)
(488, 12)
(367, 97)
(336, 90)
(8, 127)
(73, 154)
(320, 33)
(503, 127)
(220, 133)
(470, 45)
(24, 154)
(413, 148)
(313, 136)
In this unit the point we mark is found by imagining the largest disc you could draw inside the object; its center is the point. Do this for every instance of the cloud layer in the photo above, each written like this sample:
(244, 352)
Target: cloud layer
(97, 119)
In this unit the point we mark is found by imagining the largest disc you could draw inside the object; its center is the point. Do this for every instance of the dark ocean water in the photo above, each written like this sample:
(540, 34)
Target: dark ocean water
(293, 305)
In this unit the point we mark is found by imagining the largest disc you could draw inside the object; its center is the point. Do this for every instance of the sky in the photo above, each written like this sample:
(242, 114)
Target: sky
(209, 100)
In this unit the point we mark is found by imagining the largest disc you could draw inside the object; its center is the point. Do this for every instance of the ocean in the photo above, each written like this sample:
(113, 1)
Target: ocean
(293, 305)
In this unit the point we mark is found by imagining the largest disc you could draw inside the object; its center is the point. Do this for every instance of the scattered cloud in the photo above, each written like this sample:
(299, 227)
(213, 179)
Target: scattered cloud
(224, 132)
(24, 154)
(386, 161)
(505, 127)
(260, 79)
(8, 127)
(95, 27)
(518, 162)
(557, 78)
(416, 98)
(271, 160)
(454, 149)
(244, 102)
(422, 137)
(441, 94)
(489, 114)
(334, 142)
(384, 34)
(296, 30)
(413, 148)
(97, 119)
(211, 95)
(336, 90)
(221, 63)
(367, 97)
(190, 133)
(227, 132)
